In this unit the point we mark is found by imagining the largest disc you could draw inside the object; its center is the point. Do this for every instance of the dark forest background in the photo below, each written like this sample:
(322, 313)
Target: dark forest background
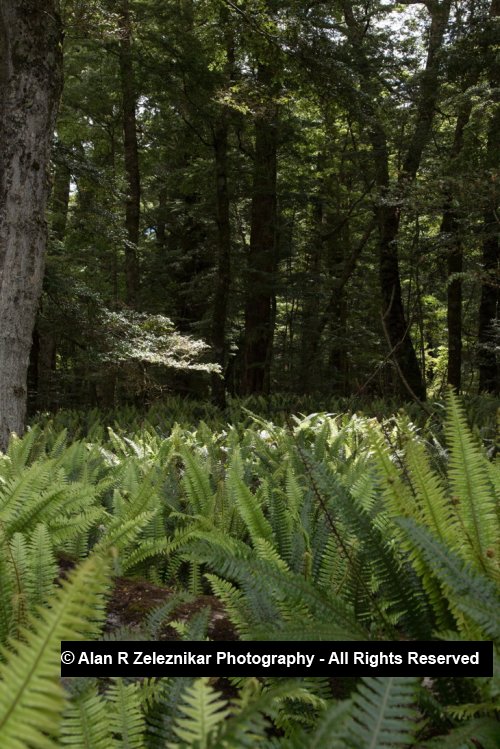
(310, 188)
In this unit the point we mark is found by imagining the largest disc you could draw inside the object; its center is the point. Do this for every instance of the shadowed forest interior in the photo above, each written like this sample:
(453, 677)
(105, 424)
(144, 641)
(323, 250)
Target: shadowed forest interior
(309, 189)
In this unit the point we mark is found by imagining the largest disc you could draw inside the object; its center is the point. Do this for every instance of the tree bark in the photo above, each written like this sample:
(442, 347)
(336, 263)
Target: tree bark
(30, 85)
(261, 270)
(131, 152)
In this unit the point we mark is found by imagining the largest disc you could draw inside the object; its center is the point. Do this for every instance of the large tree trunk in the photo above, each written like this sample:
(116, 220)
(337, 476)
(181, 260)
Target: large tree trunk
(261, 271)
(30, 84)
(131, 150)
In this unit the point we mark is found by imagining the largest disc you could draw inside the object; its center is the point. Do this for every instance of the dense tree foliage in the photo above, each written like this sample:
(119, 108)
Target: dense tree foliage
(310, 188)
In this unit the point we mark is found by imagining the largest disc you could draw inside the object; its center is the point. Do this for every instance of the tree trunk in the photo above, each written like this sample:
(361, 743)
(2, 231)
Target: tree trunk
(223, 280)
(261, 271)
(30, 85)
(131, 151)
(449, 226)
(310, 371)
(450, 231)
(223, 277)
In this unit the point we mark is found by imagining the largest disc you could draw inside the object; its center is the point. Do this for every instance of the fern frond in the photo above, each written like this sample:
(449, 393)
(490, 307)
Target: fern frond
(196, 484)
(86, 723)
(282, 522)
(158, 616)
(382, 714)
(248, 506)
(330, 732)
(161, 717)
(21, 449)
(433, 506)
(202, 711)
(42, 568)
(31, 700)
(6, 592)
(126, 716)
(480, 732)
(264, 585)
(473, 595)
(234, 602)
(474, 499)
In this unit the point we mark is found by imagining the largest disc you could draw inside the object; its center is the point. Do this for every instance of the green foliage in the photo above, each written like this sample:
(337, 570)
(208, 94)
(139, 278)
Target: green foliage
(382, 713)
(31, 702)
(201, 713)
(322, 528)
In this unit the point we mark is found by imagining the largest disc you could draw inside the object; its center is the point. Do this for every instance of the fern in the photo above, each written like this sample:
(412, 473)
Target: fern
(382, 714)
(42, 568)
(470, 486)
(398, 596)
(201, 713)
(248, 506)
(265, 585)
(6, 592)
(481, 732)
(471, 594)
(86, 722)
(31, 701)
(126, 717)
(196, 484)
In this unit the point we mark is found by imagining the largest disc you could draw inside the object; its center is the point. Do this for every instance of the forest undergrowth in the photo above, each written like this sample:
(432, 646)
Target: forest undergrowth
(337, 525)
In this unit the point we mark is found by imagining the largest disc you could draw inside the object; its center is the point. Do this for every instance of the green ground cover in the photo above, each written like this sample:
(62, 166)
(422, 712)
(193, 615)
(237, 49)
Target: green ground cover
(331, 526)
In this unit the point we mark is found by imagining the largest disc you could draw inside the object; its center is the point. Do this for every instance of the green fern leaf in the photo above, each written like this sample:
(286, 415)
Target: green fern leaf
(196, 484)
(382, 714)
(472, 594)
(473, 496)
(248, 506)
(42, 566)
(31, 700)
(202, 711)
(86, 722)
(126, 716)
(480, 732)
